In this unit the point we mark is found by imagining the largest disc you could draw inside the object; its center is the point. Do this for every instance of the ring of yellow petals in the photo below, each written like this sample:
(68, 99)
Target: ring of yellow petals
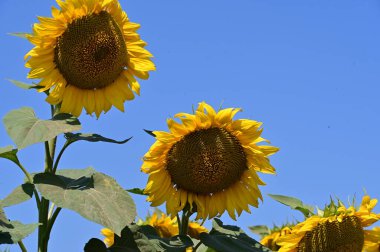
(238, 196)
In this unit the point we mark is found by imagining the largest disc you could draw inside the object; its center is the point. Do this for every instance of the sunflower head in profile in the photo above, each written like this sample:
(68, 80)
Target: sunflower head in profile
(270, 236)
(336, 229)
(88, 55)
(208, 163)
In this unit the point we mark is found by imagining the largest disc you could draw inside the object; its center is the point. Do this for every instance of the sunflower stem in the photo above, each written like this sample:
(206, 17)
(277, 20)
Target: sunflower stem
(185, 223)
(43, 211)
(55, 167)
(179, 222)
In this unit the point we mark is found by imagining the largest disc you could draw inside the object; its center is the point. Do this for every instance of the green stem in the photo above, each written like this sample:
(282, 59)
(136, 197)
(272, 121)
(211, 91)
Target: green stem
(51, 221)
(55, 167)
(22, 246)
(179, 222)
(30, 180)
(48, 159)
(185, 222)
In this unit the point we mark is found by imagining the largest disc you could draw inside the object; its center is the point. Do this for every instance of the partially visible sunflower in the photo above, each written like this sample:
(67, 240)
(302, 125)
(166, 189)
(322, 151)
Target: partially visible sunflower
(208, 162)
(337, 229)
(109, 238)
(88, 54)
(164, 226)
(270, 240)
(372, 240)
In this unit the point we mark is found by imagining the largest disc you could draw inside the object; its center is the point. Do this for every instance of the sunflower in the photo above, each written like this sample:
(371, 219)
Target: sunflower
(165, 226)
(270, 240)
(208, 162)
(88, 54)
(337, 229)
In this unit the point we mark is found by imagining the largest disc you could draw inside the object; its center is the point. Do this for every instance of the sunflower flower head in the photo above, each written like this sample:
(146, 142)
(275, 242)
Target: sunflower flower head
(207, 162)
(270, 238)
(88, 55)
(164, 225)
(337, 228)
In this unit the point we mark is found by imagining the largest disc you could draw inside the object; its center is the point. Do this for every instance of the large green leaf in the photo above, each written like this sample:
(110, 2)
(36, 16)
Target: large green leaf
(93, 195)
(13, 231)
(20, 194)
(25, 128)
(92, 138)
(228, 238)
(294, 203)
(9, 153)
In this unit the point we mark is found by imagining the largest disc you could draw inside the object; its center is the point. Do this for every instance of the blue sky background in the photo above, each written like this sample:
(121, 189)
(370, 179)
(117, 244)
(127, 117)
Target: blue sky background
(308, 69)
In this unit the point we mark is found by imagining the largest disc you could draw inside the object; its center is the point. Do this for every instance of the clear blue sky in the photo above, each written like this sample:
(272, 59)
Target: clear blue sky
(308, 69)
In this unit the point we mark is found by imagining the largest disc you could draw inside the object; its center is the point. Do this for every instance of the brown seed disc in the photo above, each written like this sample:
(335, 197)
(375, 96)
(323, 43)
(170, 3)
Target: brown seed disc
(345, 236)
(206, 161)
(91, 53)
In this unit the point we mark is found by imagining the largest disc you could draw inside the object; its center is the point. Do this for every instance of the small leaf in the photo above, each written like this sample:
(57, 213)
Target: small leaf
(13, 231)
(22, 193)
(93, 195)
(136, 190)
(95, 245)
(19, 34)
(92, 138)
(228, 238)
(261, 230)
(150, 132)
(23, 85)
(294, 203)
(25, 128)
(9, 153)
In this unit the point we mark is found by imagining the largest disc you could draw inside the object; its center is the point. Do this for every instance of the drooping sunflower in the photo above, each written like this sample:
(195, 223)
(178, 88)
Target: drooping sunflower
(337, 229)
(88, 54)
(209, 162)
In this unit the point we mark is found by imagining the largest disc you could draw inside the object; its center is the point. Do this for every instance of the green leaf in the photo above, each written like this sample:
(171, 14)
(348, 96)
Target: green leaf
(150, 132)
(23, 85)
(20, 34)
(261, 230)
(93, 195)
(95, 245)
(228, 238)
(9, 153)
(13, 231)
(22, 193)
(92, 138)
(294, 203)
(25, 128)
(136, 190)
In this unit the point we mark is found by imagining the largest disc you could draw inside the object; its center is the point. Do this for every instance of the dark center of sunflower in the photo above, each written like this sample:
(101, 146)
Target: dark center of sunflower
(206, 161)
(345, 236)
(91, 53)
